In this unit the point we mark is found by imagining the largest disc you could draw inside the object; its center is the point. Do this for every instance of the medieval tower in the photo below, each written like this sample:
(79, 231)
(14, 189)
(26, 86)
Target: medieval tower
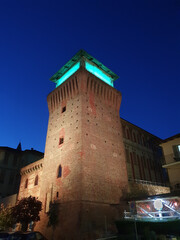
(84, 168)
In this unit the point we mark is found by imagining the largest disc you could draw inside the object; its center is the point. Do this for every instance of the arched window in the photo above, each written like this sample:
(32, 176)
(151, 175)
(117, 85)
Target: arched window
(26, 183)
(127, 156)
(132, 165)
(127, 133)
(140, 167)
(142, 139)
(36, 181)
(134, 137)
(138, 139)
(147, 142)
(59, 173)
(124, 132)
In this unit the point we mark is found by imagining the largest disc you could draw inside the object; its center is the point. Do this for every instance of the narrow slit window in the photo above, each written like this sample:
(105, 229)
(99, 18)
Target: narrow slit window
(59, 173)
(134, 137)
(36, 181)
(26, 183)
(61, 141)
(64, 109)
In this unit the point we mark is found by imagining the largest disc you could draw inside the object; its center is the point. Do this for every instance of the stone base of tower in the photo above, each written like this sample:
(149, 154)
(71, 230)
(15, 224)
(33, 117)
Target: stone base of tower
(85, 220)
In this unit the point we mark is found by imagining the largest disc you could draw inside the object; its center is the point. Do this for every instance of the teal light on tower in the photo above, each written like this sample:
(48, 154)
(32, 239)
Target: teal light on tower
(92, 65)
(99, 73)
(70, 72)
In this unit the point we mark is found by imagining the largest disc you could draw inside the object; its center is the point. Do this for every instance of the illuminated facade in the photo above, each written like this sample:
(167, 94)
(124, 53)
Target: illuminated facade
(90, 153)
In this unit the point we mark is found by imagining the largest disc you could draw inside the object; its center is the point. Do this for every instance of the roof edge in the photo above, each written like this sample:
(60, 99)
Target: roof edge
(82, 53)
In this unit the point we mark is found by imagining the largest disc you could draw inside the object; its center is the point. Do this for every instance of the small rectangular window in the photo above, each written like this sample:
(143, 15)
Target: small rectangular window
(57, 194)
(64, 109)
(176, 150)
(61, 140)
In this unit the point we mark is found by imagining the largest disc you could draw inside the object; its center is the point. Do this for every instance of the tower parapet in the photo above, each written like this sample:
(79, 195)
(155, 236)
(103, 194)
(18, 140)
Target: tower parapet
(69, 81)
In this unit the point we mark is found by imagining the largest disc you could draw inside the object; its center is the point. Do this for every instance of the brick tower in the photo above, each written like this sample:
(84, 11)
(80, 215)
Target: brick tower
(84, 168)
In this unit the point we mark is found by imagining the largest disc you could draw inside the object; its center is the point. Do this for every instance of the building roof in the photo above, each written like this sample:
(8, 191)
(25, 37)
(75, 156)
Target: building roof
(9, 149)
(32, 167)
(172, 138)
(142, 129)
(33, 151)
(76, 58)
(23, 151)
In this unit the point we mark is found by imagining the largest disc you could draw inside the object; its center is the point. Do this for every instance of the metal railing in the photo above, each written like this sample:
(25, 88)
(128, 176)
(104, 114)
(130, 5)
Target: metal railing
(152, 215)
(113, 237)
(147, 182)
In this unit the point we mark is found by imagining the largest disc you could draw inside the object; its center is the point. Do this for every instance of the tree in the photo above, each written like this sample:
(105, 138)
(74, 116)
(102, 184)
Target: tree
(27, 210)
(53, 216)
(6, 218)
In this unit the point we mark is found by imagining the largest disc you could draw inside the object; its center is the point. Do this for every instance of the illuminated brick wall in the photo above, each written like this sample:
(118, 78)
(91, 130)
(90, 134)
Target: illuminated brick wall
(84, 138)
(31, 180)
(85, 169)
(103, 156)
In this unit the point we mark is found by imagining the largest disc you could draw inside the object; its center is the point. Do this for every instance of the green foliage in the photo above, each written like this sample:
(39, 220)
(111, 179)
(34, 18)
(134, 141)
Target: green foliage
(27, 210)
(53, 215)
(6, 218)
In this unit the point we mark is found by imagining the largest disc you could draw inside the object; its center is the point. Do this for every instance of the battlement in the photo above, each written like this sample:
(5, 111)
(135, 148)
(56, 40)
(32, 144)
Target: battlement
(32, 167)
(83, 82)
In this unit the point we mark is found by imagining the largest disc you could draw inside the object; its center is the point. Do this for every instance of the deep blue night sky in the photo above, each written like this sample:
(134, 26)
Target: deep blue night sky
(138, 40)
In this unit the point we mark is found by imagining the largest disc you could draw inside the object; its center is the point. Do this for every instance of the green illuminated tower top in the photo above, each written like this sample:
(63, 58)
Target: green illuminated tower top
(92, 65)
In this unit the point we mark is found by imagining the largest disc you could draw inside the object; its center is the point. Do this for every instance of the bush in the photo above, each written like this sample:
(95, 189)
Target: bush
(6, 219)
(27, 210)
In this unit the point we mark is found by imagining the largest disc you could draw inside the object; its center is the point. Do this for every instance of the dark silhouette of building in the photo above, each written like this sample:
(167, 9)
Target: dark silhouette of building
(11, 161)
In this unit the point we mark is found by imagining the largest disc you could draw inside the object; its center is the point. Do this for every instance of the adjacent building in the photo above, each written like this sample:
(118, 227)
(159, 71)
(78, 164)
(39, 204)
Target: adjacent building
(11, 161)
(171, 149)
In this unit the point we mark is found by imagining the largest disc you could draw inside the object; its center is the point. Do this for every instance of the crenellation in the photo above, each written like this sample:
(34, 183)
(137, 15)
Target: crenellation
(64, 92)
(32, 167)
(77, 89)
(98, 88)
